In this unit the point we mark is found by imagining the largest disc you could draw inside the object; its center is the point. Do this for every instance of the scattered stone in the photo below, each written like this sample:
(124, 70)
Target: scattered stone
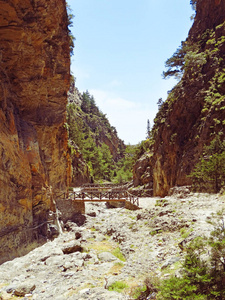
(54, 261)
(170, 262)
(24, 288)
(79, 219)
(180, 191)
(55, 252)
(78, 235)
(72, 247)
(106, 257)
(10, 289)
(73, 262)
(92, 214)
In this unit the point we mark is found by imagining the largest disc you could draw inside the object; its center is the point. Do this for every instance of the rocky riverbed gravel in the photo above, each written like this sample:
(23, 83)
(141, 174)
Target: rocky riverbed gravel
(113, 245)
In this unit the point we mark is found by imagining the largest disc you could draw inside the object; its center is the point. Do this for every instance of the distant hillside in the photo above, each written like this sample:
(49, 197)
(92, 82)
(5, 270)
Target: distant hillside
(95, 146)
(194, 112)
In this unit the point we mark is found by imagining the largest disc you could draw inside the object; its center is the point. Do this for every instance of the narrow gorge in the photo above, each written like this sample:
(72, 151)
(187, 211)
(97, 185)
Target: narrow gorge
(53, 139)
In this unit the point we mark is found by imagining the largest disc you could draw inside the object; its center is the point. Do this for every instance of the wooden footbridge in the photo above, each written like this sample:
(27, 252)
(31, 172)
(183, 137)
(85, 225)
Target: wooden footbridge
(100, 193)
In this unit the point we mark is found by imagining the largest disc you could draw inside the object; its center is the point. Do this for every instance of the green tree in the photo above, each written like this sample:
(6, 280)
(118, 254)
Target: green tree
(209, 172)
(107, 163)
(70, 17)
(160, 103)
(89, 128)
(175, 64)
(148, 129)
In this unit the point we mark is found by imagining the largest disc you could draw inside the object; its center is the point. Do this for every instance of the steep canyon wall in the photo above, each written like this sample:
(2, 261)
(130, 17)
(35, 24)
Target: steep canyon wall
(34, 73)
(194, 111)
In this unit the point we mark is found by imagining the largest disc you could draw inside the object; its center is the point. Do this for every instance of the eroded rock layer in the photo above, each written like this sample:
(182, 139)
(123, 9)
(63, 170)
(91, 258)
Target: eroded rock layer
(34, 73)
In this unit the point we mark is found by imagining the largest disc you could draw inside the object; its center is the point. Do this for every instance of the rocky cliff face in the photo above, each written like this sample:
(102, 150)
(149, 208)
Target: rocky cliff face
(89, 129)
(34, 72)
(194, 111)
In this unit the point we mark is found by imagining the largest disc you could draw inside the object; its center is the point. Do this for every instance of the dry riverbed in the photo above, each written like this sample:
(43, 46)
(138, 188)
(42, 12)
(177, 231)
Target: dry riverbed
(113, 248)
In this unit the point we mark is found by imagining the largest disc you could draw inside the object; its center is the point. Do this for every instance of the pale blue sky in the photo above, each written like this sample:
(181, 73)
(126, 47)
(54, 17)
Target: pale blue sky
(120, 50)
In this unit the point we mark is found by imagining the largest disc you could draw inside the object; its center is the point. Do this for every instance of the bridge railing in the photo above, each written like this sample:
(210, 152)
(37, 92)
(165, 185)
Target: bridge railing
(95, 195)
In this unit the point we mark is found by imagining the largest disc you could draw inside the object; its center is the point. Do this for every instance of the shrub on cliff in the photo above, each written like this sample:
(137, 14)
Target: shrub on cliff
(209, 172)
(70, 17)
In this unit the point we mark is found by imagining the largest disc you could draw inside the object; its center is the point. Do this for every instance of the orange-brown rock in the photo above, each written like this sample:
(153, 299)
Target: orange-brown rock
(194, 111)
(34, 73)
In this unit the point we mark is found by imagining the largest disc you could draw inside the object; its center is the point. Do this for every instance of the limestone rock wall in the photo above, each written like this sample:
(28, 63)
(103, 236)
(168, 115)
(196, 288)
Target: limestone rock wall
(34, 80)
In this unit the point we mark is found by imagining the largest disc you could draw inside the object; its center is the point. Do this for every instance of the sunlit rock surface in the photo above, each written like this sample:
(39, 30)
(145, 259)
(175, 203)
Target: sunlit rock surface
(194, 111)
(34, 73)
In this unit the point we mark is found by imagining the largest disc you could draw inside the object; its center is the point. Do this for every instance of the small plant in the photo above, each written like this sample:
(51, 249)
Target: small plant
(161, 202)
(154, 232)
(118, 286)
(131, 225)
(185, 233)
(117, 253)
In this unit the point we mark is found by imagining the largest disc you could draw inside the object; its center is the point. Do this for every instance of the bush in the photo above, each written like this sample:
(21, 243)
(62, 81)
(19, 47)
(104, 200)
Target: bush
(203, 271)
(209, 172)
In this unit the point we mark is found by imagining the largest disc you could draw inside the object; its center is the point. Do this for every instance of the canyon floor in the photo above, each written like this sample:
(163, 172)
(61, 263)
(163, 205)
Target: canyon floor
(113, 245)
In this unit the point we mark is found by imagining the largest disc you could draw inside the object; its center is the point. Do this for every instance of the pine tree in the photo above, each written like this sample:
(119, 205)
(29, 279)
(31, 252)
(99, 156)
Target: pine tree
(148, 129)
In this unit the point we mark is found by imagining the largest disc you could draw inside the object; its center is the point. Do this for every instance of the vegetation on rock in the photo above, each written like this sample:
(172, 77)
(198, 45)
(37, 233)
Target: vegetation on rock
(209, 172)
(193, 114)
(202, 276)
(70, 17)
(97, 141)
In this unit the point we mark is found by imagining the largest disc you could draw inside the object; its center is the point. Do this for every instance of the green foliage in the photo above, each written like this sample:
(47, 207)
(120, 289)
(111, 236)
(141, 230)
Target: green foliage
(202, 276)
(138, 291)
(118, 286)
(215, 98)
(70, 17)
(148, 129)
(194, 61)
(124, 166)
(186, 58)
(117, 253)
(175, 64)
(185, 233)
(142, 148)
(209, 172)
(87, 128)
(98, 158)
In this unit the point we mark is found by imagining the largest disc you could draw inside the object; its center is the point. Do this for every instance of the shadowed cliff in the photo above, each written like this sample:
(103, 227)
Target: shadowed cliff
(34, 72)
